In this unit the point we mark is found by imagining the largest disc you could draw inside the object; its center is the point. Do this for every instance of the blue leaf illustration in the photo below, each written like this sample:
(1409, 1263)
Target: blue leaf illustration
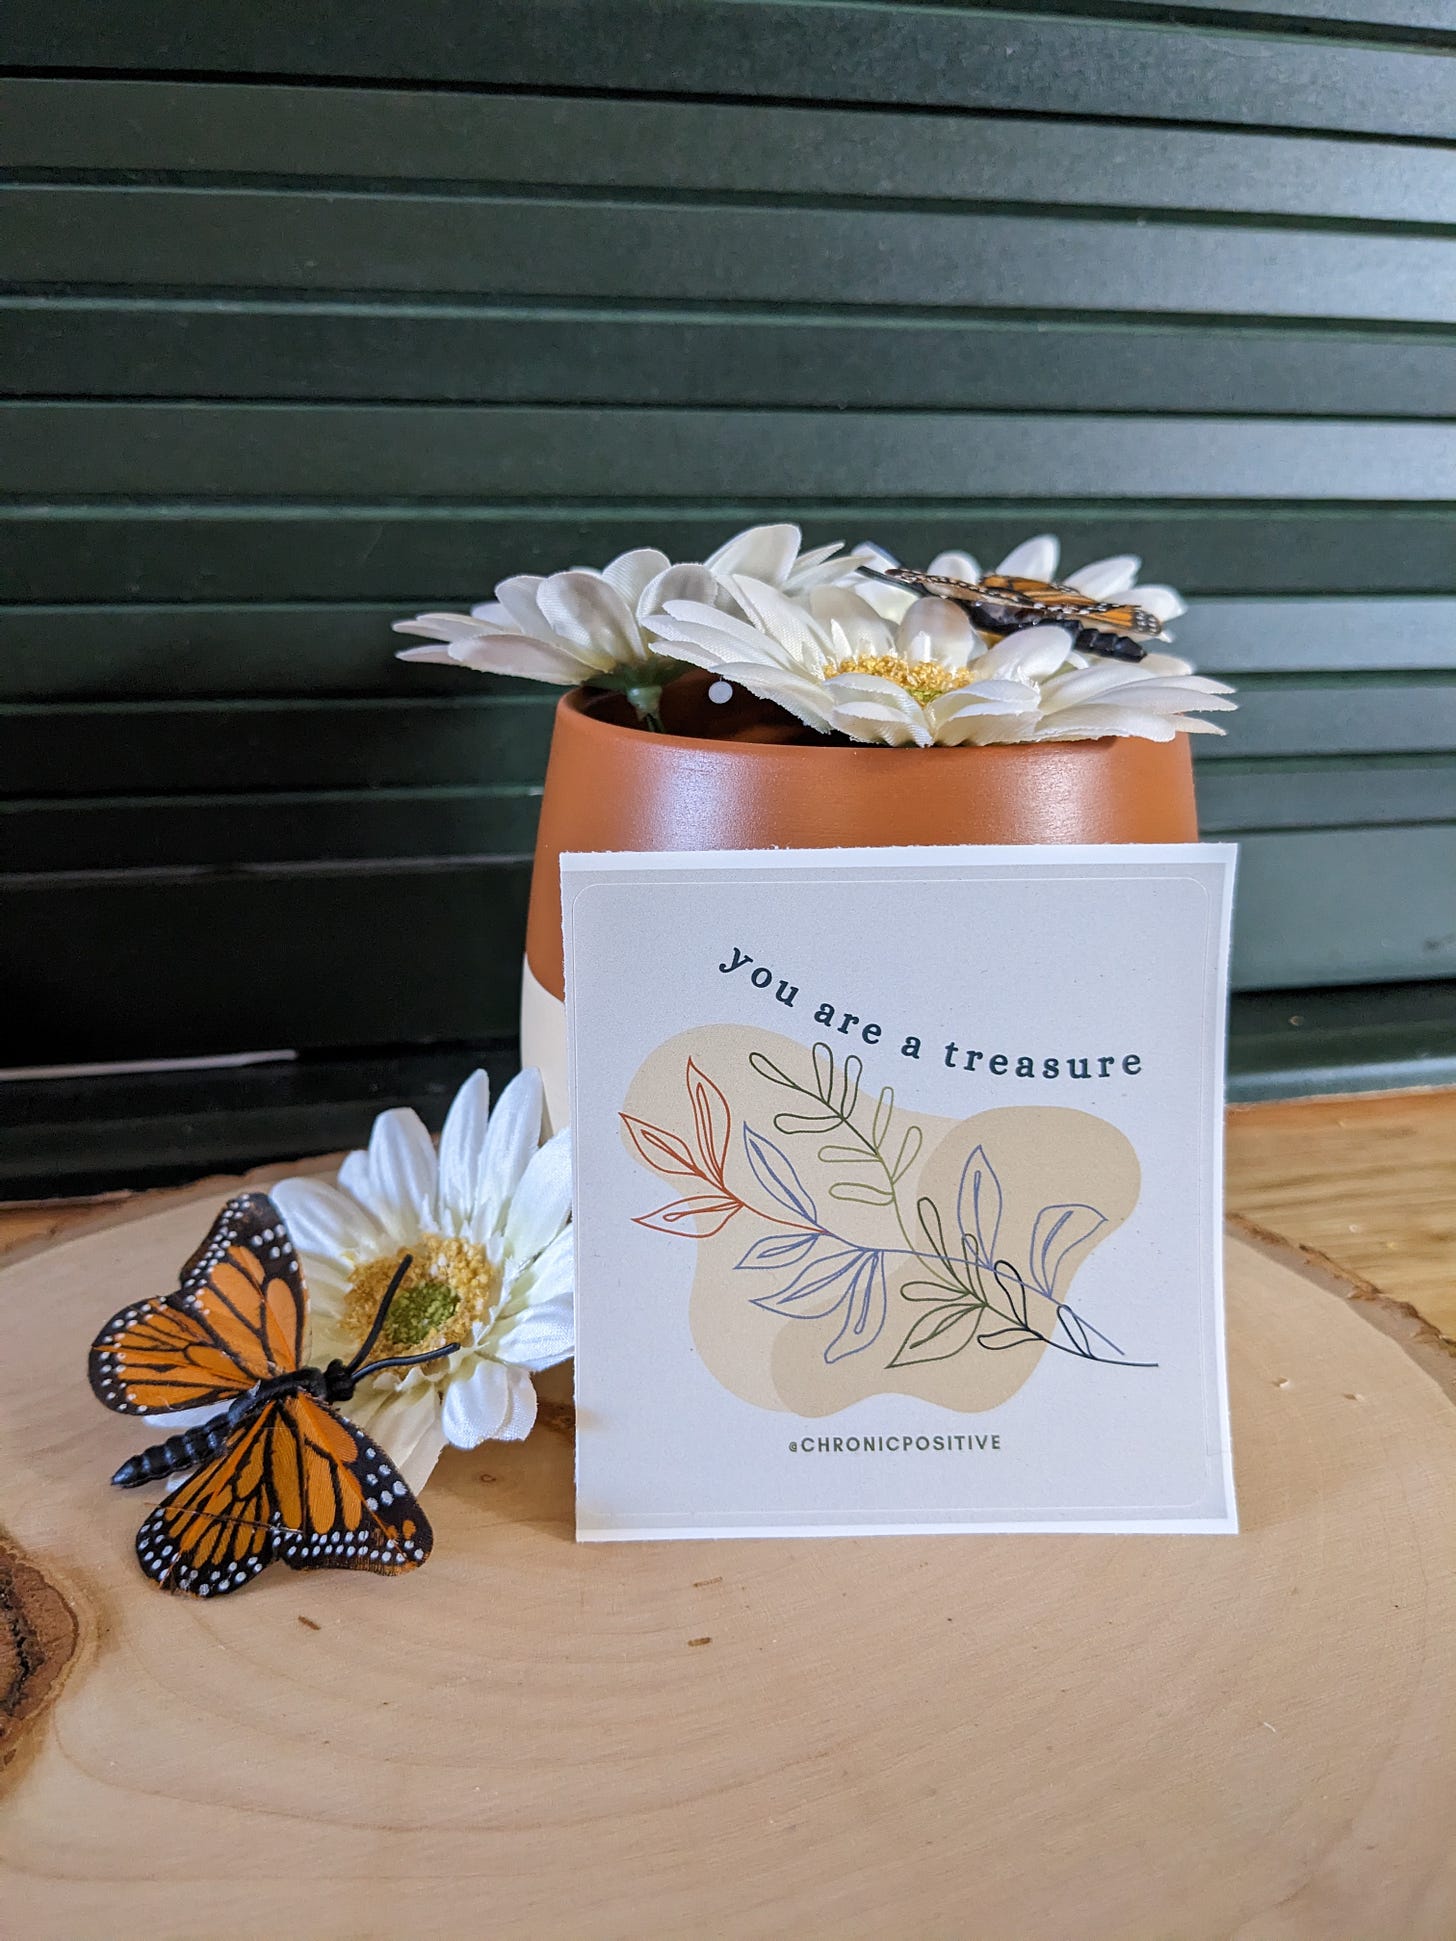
(978, 1205)
(865, 1309)
(1058, 1230)
(774, 1171)
(779, 1250)
(816, 1290)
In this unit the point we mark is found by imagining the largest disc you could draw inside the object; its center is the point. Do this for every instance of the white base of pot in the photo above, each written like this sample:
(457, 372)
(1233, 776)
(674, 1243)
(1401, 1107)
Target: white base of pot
(543, 1044)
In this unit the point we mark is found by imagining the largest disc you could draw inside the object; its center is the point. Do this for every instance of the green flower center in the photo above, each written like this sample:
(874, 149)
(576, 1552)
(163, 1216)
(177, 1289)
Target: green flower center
(450, 1287)
(416, 1312)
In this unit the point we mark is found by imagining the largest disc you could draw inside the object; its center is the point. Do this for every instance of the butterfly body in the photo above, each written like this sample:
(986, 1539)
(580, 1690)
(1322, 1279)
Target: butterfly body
(277, 1473)
(1005, 603)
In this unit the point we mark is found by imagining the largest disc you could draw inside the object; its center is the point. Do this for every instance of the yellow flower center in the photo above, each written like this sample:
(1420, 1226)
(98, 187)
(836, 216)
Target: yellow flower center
(925, 680)
(450, 1285)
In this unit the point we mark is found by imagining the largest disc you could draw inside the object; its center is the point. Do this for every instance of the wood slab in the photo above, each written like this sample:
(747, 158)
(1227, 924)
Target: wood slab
(999, 1736)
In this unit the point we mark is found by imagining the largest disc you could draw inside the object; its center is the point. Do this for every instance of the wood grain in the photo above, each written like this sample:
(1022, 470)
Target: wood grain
(1371, 1182)
(1212, 1736)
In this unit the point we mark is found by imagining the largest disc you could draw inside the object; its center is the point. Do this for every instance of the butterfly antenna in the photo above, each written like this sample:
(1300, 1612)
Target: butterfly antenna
(407, 1361)
(396, 1279)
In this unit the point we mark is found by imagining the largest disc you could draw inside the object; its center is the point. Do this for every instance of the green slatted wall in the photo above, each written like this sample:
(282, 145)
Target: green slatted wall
(318, 316)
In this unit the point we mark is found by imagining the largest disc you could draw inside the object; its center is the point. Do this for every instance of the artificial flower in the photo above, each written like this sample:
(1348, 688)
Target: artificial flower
(770, 554)
(485, 1223)
(926, 676)
(839, 666)
(574, 628)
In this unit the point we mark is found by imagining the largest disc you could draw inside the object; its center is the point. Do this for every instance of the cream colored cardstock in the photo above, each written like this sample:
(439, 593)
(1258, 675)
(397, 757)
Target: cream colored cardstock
(898, 1190)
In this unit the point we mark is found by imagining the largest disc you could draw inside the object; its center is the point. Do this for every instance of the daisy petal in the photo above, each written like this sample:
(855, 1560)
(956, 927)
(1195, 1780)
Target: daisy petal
(955, 566)
(763, 552)
(395, 1178)
(1030, 655)
(322, 1220)
(513, 1134)
(1105, 579)
(462, 1145)
(632, 573)
(590, 615)
(541, 1203)
(476, 1406)
(1163, 602)
(1033, 559)
(405, 1422)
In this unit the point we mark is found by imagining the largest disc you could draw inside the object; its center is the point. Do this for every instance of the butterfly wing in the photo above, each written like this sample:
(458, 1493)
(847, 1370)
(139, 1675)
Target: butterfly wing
(297, 1483)
(236, 1318)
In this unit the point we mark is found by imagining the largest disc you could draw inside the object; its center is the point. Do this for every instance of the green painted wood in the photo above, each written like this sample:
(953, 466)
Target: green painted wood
(128, 346)
(133, 652)
(522, 246)
(278, 451)
(206, 962)
(1345, 906)
(354, 552)
(460, 820)
(301, 826)
(1237, 797)
(468, 739)
(382, 136)
(1361, 1038)
(962, 57)
(183, 747)
(1356, 714)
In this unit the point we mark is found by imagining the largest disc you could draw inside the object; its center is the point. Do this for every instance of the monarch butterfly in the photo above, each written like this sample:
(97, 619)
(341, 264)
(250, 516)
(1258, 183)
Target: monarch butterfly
(278, 1473)
(1003, 603)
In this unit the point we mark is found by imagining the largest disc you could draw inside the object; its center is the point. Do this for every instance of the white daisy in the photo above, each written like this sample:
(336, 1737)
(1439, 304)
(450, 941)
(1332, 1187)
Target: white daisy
(575, 628)
(771, 555)
(486, 1226)
(927, 676)
(840, 666)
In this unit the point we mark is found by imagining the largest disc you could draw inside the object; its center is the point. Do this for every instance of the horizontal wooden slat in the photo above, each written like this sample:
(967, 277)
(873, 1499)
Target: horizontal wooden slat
(251, 348)
(382, 136)
(1345, 906)
(99, 653)
(317, 826)
(252, 451)
(190, 747)
(592, 250)
(1234, 636)
(1324, 792)
(1005, 57)
(1359, 714)
(202, 963)
(1234, 796)
(371, 552)
(211, 962)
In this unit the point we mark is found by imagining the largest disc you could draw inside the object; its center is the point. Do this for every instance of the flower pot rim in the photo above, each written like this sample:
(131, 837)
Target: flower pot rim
(580, 701)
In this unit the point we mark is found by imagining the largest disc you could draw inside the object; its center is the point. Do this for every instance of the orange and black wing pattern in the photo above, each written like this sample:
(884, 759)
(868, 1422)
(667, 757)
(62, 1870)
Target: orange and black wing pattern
(297, 1483)
(236, 1319)
(1005, 602)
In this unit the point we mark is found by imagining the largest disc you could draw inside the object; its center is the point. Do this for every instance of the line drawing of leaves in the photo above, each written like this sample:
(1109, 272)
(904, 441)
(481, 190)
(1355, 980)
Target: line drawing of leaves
(865, 1309)
(938, 1331)
(663, 1151)
(823, 1056)
(774, 1171)
(792, 1122)
(940, 1292)
(817, 1284)
(712, 1119)
(1075, 1331)
(1058, 1231)
(779, 1250)
(833, 1155)
(1006, 1338)
(909, 1152)
(853, 1071)
(1013, 1287)
(718, 1208)
(978, 1204)
(861, 1192)
(884, 1112)
(766, 1068)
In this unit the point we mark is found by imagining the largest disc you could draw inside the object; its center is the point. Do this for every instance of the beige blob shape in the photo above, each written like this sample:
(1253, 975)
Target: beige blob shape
(1031, 1159)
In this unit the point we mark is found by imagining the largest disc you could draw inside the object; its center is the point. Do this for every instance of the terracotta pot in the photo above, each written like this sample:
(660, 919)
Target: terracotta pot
(754, 785)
